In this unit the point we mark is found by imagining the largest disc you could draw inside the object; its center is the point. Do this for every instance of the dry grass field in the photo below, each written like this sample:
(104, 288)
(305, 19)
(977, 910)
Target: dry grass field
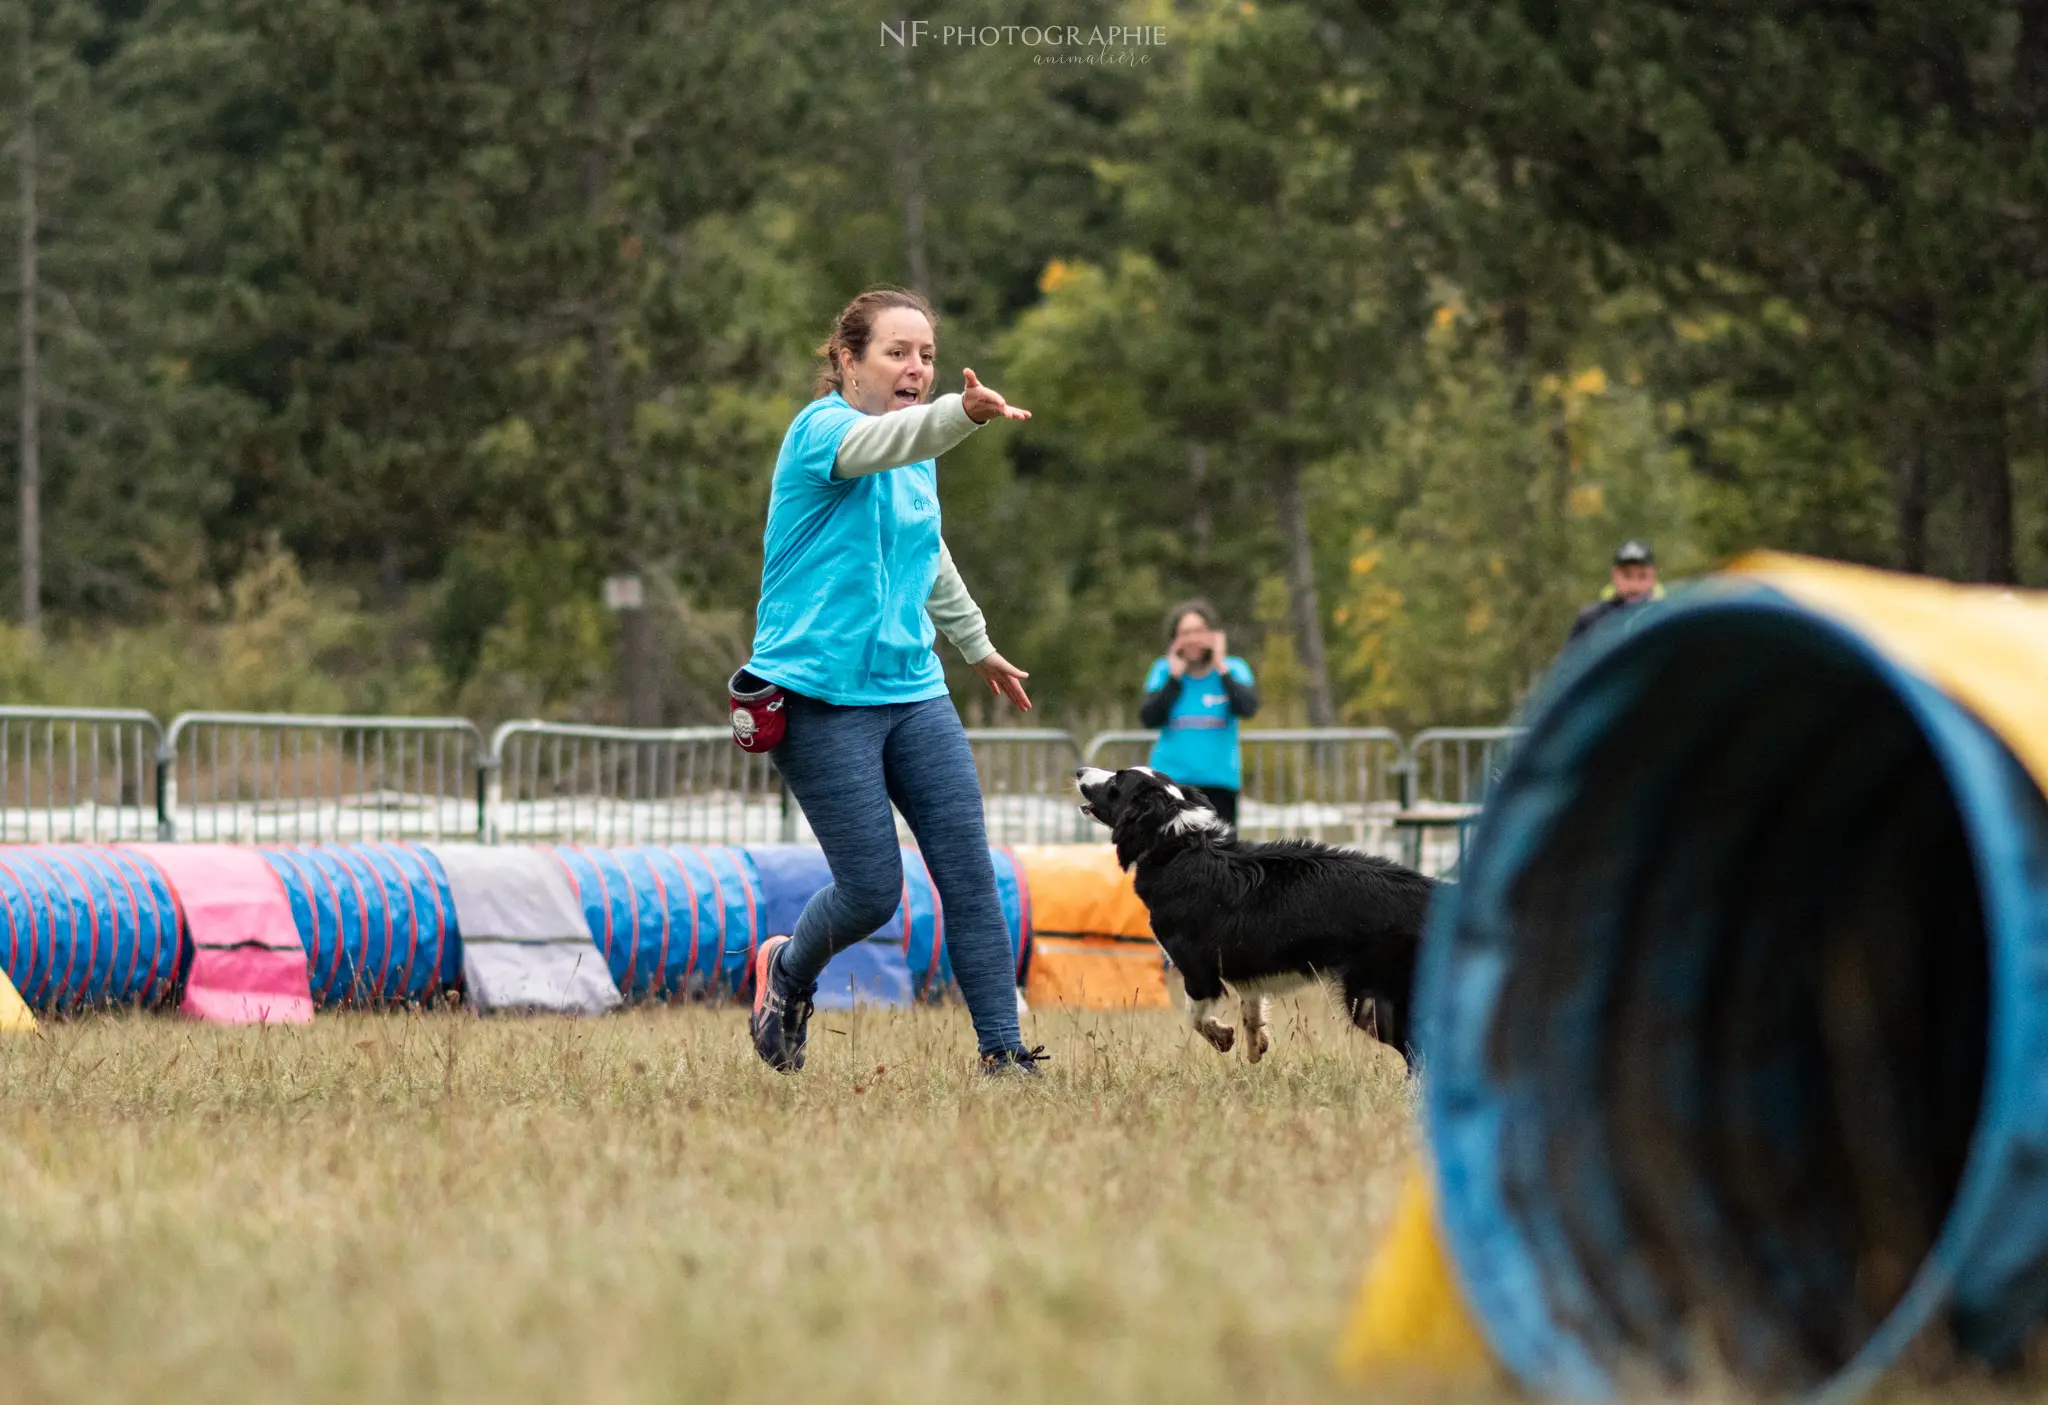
(398, 1208)
(436, 1208)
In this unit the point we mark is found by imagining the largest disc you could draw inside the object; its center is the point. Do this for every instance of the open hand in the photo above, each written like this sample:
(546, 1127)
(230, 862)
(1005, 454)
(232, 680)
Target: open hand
(984, 404)
(1219, 648)
(1005, 679)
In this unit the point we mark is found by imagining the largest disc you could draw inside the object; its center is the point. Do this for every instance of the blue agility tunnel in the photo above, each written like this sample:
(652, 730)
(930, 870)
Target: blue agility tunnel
(670, 921)
(377, 921)
(789, 874)
(873, 972)
(1735, 1034)
(86, 925)
(922, 922)
(1013, 890)
(906, 958)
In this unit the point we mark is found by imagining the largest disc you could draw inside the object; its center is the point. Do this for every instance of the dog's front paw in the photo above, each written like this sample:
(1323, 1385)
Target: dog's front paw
(1222, 1036)
(1256, 1043)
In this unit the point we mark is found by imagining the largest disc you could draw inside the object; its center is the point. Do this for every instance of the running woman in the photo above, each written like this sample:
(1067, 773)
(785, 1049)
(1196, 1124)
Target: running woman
(854, 575)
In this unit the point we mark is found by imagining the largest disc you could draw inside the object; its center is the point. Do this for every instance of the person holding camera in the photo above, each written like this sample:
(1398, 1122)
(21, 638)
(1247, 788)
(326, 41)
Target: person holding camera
(1195, 696)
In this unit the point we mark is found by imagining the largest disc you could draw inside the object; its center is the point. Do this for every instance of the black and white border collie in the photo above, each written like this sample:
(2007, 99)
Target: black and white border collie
(1262, 918)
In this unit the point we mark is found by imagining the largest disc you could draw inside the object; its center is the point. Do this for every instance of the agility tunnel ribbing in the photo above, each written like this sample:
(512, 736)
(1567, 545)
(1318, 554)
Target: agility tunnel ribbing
(1013, 891)
(86, 925)
(377, 925)
(377, 921)
(920, 922)
(1735, 1034)
(669, 921)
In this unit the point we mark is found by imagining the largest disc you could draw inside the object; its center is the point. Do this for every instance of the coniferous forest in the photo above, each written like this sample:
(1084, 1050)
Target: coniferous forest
(352, 346)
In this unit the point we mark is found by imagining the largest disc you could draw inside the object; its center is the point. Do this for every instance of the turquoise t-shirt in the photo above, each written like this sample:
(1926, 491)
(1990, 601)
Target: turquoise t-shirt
(847, 565)
(1198, 744)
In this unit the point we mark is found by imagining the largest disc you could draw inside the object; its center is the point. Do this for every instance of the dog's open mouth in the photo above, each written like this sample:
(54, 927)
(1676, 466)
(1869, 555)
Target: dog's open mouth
(1091, 812)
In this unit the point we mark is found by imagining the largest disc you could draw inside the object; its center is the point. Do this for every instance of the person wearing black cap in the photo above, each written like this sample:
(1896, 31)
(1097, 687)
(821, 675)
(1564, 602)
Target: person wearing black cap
(1635, 581)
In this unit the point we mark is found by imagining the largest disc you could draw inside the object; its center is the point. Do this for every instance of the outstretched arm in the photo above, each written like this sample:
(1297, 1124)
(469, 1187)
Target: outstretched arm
(882, 442)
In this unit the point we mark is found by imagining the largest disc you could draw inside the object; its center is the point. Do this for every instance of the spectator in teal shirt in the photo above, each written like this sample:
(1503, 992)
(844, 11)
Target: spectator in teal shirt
(1195, 696)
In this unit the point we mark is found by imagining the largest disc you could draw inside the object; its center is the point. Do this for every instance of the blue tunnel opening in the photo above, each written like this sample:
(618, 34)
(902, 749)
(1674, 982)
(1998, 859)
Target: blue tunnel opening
(1708, 1027)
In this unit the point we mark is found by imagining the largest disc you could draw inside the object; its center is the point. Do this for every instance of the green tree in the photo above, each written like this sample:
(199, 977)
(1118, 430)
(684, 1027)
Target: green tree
(102, 499)
(1237, 343)
(1879, 169)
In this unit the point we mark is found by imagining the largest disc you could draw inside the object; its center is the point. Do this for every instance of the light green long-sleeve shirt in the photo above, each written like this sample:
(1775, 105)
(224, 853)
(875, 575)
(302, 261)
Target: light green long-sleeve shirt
(882, 442)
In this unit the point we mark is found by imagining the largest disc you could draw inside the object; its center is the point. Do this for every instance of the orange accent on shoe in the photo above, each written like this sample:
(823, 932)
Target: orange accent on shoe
(764, 963)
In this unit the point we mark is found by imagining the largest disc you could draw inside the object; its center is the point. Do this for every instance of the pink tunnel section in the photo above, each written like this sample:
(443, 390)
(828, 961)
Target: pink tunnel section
(248, 964)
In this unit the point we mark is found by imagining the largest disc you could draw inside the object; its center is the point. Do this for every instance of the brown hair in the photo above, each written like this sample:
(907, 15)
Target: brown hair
(1196, 606)
(856, 324)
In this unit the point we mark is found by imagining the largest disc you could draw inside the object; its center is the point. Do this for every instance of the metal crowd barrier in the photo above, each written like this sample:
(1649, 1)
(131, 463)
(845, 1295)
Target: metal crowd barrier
(1115, 750)
(1339, 785)
(1342, 785)
(691, 785)
(1450, 772)
(570, 783)
(254, 777)
(80, 774)
(1027, 785)
(1458, 765)
(97, 774)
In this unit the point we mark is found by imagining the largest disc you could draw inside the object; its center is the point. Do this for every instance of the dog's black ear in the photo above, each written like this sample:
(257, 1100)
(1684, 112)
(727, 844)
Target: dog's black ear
(1134, 832)
(1140, 816)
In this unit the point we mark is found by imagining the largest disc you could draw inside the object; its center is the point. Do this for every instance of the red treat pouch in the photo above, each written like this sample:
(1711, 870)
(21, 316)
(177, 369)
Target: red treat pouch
(758, 721)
